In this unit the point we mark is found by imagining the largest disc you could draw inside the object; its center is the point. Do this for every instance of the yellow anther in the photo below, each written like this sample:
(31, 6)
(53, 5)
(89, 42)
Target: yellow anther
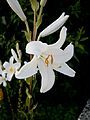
(48, 60)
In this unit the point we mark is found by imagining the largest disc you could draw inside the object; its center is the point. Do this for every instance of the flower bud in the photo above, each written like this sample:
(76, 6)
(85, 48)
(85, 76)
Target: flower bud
(15, 6)
(43, 3)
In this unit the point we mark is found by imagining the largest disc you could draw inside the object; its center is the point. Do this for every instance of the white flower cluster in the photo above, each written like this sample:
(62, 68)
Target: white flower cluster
(8, 69)
(46, 57)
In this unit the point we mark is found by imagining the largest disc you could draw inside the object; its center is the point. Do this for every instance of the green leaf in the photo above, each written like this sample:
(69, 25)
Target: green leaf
(27, 101)
(28, 94)
(81, 47)
(84, 39)
(34, 84)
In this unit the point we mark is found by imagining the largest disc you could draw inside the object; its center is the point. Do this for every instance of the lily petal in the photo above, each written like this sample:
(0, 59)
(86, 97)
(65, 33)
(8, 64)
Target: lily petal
(35, 47)
(4, 83)
(61, 40)
(17, 65)
(68, 52)
(14, 4)
(54, 26)
(27, 70)
(66, 70)
(11, 60)
(48, 77)
(57, 54)
(6, 65)
(14, 54)
(9, 76)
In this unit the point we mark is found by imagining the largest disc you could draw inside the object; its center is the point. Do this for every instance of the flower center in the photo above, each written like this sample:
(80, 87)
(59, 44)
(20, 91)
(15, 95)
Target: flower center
(11, 69)
(49, 60)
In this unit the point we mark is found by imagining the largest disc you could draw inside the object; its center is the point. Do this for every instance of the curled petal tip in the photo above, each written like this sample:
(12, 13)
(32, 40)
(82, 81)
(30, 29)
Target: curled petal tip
(53, 27)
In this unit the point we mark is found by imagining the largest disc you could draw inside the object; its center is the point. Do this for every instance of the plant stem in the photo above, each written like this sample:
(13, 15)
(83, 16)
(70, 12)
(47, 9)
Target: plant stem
(40, 12)
(34, 27)
(27, 26)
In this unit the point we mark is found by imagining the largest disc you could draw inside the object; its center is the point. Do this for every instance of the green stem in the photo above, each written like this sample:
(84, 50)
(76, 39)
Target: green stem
(34, 27)
(27, 26)
(40, 12)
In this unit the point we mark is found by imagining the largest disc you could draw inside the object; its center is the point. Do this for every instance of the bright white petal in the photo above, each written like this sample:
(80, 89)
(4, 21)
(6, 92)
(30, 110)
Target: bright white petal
(27, 70)
(48, 77)
(6, 65)
(68, 52)
(57, 54)
(61, 40)
(66, 70)
(17, 65)
(62, 15)
(9, 76)
(14, 54)
(14, 4)
(11, 60)
(54, 26)
(0, 71)
(4, 83)
(36, 47)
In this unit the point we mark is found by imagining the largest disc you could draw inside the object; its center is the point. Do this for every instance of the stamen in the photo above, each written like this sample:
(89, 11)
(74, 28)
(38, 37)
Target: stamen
(49, 59)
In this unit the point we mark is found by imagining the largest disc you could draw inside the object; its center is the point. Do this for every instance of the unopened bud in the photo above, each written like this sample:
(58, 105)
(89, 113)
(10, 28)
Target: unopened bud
(43, 3)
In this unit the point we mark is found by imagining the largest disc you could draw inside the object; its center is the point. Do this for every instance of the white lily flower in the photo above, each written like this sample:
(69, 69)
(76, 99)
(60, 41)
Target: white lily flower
(15, 6)
(11, 68)
(46, 59)
(2, 78)
(53, 27)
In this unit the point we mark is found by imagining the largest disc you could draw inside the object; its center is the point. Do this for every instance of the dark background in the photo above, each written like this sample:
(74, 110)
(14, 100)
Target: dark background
(67, 92)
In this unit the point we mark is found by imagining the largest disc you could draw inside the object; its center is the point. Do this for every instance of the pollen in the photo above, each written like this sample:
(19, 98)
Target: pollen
(49, 60)
(11, 69)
